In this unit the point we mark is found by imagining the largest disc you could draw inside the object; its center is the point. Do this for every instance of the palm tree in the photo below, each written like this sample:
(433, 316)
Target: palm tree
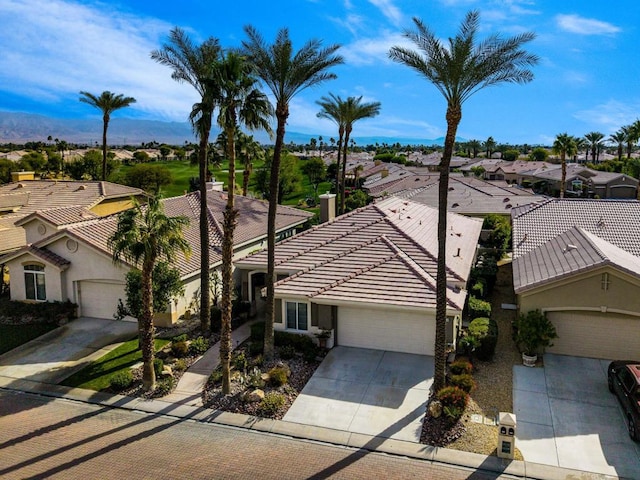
(249, 150)
(108, 103)
(458, 70)
(333, 108)
(581, 144)
(286, 73)
(474, 145)
(193, 64)
(354, 111)
(564, 145)
(594, 140)
(490, 146)
(240, 103)
(144, 235)
(618, 139)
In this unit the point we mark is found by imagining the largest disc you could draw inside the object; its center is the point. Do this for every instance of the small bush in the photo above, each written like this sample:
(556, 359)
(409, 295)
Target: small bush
(479, 327)
(121, 380)
(453, 413)
(253, 378)
(180, 365)
(479, 308)
(165, 386)
(279, 376)
(461, 367)
(453, 397)
(464, 381)
(239, 361)
(198, 346)
(179, 349)
(258, 360)
(287, 352)
(485, 330)
(216, 377)
(271, 403)
(179, 338)
(158, 366)
(478, 288)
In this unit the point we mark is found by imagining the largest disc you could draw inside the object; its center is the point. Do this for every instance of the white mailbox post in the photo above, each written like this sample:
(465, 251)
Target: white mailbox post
(506, 435)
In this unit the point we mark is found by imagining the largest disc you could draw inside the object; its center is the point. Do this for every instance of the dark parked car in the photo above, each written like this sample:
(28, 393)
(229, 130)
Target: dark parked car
(624, 380)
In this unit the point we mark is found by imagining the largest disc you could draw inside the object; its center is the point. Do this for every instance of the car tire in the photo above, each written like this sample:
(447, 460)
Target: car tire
(610, 382)
(633, 433)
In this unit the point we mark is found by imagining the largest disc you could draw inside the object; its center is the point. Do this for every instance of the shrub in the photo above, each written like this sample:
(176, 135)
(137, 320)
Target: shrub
(258, 360)
(257, 332)
(198, 346)
(180, 365)
(179, 349)
(479, 327)
(180, 338)
(461, 367)
(479, 308)
(216, 377)
(253, 378)
(478, 288)
(279, 376)
(453, 397)
(535, 332)
(463, 381)
(121, 380)
(310, 353)
(287, 352)
(158, 366)
(239, 361)
(271, 403)
(487, 347)
(164, 386)
(453, 413)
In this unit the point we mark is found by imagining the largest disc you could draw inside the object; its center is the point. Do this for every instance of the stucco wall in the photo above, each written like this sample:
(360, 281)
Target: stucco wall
(53, 282)
(107, 207)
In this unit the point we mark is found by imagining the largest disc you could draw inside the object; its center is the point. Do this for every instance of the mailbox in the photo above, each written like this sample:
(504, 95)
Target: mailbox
(506, 435)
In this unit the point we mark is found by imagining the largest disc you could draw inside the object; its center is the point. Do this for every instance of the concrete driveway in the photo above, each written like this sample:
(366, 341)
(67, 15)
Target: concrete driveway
(373, 392)
(567, 417)
(58, 354)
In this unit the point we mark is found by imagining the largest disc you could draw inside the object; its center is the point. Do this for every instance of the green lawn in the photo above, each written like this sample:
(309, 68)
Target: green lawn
(97, 375)
(12, 336)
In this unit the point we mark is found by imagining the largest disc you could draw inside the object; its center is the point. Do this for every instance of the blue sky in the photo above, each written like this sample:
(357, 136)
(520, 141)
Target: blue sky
(588, 77)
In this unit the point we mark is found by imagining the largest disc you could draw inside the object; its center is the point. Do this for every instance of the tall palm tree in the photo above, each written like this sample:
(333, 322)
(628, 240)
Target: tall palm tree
(193, 64)
(490, 146)
(355, 110)
(249, 150)
(286, 73)
(618, 139)
(594, 140)
(581, 144)
(474, 145)
(333, 108)
(108, 103)
(144, 235)
(458, 70)
(565, 146)
(240, 103)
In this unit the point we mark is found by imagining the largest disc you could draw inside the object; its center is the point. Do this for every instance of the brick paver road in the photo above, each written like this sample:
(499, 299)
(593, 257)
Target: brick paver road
(53, 438)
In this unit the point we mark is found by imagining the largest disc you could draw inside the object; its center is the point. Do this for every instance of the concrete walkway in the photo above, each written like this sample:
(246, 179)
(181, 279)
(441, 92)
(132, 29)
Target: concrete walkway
(189, 388)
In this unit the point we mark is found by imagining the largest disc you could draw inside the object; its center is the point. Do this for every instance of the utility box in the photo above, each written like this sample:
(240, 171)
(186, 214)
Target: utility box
(506, 435)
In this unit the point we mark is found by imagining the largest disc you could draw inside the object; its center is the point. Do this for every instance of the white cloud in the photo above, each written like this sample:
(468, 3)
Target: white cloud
(610, 116)
(585, 26)
(58, 48)
(352, 22)
(368, 51)
(389, 10)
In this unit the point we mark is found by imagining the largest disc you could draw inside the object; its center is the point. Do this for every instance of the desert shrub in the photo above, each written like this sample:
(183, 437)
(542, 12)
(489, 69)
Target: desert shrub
(216, 377)
(478, 288)
(464, 381)
(461, 367)
(258, 360)
(164, 386)
(257, 332)
(253, 378)
(180, 365)
(271, 403)
(179, 349)
(180, 338)
(279, 376)
(122, 379)
(287, 352)
(478, 307)
(198, 346)
(158, 366)
(239, 361)
(454, 400)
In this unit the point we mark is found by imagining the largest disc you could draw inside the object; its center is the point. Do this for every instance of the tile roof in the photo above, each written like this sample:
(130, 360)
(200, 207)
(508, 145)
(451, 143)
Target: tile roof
(616, 221)
(45, 255)
(386, 243)
(402, 184)
(571, 252)
(61, 215)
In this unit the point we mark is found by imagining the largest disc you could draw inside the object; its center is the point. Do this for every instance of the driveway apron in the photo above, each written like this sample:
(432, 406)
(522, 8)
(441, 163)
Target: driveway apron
(366, 391)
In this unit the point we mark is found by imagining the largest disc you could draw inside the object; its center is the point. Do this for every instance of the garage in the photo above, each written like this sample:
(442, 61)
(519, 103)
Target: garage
(99, 299)
(383, 329)
(596, 334)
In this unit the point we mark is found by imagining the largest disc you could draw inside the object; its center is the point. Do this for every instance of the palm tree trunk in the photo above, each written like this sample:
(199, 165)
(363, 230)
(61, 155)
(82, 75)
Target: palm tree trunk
(454, 115)
(145, 329)
(344, 170)
(282, 112)
(230, 215)
(205, 296)
(339, 165)
(245, 180)
(564, 174)
(105, 126)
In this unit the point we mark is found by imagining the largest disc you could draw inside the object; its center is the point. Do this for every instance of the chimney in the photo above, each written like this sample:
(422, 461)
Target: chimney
(215, 186)
(384, 173)
(20, 176)
(327, 207)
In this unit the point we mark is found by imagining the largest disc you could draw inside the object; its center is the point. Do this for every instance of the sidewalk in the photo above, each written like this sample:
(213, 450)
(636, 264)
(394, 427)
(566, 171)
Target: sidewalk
(189, 388)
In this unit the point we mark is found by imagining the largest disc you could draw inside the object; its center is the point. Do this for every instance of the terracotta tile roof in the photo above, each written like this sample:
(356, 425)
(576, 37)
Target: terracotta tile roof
(43, 254)
(390, 241)
(569, 253)
(13, 201)
(616, 221)
(519, 166)
(61, 215)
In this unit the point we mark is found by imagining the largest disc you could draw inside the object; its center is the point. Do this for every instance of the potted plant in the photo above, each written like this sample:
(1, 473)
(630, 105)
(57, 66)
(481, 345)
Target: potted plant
(535, 333)
(322, 336)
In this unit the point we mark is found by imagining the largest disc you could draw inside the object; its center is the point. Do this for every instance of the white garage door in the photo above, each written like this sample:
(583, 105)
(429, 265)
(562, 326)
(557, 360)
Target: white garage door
(391, 330)
(596, 335)
(100, 299)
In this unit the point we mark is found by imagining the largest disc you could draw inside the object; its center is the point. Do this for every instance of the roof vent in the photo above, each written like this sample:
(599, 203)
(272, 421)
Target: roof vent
(82, 187)
(506, 199)
(570, 247)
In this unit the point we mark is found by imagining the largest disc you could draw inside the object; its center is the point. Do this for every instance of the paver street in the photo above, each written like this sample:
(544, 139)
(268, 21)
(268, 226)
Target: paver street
(52, 438)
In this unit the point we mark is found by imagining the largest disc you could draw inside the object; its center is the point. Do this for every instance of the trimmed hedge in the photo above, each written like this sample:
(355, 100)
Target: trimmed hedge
(478, 308)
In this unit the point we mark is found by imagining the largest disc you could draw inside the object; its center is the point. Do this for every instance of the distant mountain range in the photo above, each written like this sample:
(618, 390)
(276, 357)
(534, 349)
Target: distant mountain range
(16, 127)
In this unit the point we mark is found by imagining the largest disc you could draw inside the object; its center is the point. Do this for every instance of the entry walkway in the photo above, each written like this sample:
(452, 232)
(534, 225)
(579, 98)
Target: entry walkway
(189, 388)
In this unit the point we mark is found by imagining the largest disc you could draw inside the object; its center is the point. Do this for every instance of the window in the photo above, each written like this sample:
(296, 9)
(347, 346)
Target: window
(296, 316)
(34, 282)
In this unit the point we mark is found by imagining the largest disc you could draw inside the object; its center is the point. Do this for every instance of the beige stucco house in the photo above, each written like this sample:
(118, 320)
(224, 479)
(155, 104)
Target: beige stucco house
(67, 256)
(368, 276)
(579, 262)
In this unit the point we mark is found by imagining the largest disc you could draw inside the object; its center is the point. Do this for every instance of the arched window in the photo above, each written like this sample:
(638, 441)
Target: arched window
(34, 283)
